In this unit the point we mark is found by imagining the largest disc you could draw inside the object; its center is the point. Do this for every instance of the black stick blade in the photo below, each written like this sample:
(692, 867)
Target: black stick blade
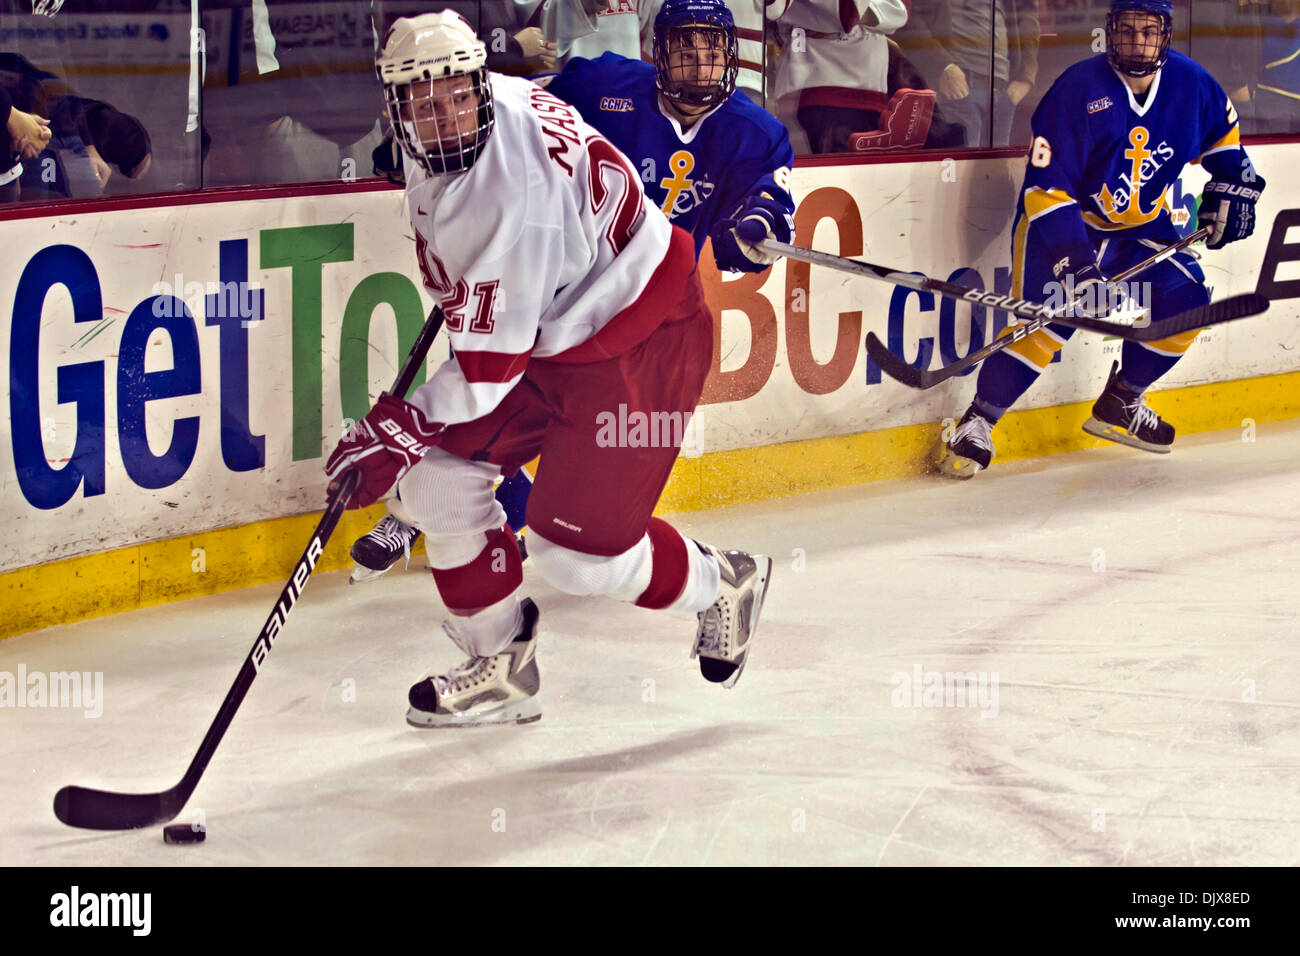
(893, 366)
(105, 810)
(1202, 317)
(1216, 313)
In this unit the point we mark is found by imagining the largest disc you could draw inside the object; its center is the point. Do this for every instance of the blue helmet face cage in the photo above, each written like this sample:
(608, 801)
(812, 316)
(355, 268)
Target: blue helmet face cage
(699, 24)
(1149, 58)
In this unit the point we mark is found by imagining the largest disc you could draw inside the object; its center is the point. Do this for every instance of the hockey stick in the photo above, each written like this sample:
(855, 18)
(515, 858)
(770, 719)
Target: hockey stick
(896, 368)
(106, 810)
(1039, 314)
(1022, 308)
(1216, 313)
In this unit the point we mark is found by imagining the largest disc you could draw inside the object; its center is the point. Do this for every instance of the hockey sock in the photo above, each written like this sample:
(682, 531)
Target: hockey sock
(683, 577)
(1141, 363)
(1141, 366)
(490, 630)
(491, 577)
(984, 410)
(1002, 380)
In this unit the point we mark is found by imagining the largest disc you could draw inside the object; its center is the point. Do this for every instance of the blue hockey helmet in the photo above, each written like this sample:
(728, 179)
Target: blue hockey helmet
(700, 25)
(1138, 59)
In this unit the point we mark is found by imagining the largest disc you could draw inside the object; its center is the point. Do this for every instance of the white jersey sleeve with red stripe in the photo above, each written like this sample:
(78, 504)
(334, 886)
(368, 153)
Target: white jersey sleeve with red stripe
(546, 245)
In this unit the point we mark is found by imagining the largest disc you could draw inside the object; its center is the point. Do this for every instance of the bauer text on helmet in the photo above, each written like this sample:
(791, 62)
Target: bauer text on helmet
(434, 73)
(695, 52)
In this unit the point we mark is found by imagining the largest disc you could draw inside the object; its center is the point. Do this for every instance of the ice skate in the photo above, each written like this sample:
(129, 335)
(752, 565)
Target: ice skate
(971, 447)
(727, 628)
(483, 691)
(1123, 417)
(379, 549)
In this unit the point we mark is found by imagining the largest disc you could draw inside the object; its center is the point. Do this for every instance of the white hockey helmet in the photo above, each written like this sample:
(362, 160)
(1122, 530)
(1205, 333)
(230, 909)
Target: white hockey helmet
(442, 122)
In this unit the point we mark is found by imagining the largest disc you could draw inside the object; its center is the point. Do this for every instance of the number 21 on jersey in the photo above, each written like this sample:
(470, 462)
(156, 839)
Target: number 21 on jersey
(453, 307)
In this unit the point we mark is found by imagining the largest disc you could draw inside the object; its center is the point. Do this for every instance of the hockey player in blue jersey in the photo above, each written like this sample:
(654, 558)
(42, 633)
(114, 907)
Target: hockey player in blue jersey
(717, 165)
(709, 158)
(1110, 138)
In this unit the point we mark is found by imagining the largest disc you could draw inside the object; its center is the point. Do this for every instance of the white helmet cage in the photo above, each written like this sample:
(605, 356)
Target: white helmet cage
(418, 56)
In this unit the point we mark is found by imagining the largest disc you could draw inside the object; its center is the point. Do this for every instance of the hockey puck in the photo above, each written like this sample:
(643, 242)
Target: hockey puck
(184, 833)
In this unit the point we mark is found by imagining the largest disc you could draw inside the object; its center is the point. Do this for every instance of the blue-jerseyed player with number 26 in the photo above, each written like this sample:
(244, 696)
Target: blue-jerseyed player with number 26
(1110, 139)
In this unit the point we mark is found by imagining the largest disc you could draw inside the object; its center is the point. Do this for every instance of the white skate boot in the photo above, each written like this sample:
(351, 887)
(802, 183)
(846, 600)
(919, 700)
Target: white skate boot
(727, 628)
(483, 691)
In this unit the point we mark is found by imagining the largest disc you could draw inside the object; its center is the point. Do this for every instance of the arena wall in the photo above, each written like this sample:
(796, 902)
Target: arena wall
(164, 439)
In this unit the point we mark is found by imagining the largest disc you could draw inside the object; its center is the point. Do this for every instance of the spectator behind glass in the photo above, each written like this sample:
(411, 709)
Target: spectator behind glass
(588, 28)
(90, 140)
(955, 62)
(297, 96)
(1277, 95)
(1227, 41)
(516, 44)
(81, 137)
(113, 138)
(834, 66)
(25, 135)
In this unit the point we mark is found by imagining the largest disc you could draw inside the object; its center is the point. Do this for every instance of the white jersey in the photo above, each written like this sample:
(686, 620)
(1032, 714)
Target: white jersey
(832, 54)
(545, 248)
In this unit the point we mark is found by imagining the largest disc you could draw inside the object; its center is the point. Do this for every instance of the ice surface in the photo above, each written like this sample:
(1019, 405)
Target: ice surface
(1139, 612)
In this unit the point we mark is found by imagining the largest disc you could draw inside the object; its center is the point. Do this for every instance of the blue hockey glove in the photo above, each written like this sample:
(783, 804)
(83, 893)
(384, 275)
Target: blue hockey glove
(1091, 297)
(387, 160)
(1081, 288)
(1228, 207)
(735, 240)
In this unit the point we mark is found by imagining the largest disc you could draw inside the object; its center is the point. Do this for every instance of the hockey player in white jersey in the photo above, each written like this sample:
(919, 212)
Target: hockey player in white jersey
(573, 309)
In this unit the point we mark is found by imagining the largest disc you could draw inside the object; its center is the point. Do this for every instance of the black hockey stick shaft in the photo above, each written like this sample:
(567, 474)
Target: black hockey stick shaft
(896, 368)
(1021, 308)
(106, 810)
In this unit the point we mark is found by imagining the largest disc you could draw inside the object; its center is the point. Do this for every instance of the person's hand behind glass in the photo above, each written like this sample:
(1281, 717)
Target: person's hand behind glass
(102, 169)
(952, 83)
(30, 133)
(537, 48)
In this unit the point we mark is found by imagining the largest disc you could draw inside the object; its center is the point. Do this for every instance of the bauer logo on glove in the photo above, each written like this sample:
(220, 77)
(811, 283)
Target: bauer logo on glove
(392, 437)
(401, 438)
(1228, 207)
